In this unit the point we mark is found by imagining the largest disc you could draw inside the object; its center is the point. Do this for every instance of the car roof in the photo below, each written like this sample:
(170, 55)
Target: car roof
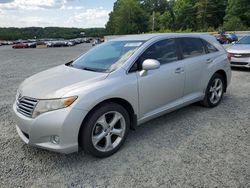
(146, 37)
(248, 35)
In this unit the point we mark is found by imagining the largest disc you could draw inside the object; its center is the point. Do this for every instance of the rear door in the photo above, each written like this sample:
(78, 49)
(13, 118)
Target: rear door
(195, 61)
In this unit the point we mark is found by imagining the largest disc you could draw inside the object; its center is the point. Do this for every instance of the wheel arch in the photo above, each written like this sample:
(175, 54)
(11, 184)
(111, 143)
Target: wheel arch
(124, 103)
(224, 75)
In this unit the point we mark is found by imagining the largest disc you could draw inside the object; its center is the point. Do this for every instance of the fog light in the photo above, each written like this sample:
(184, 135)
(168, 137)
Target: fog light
(55, 139)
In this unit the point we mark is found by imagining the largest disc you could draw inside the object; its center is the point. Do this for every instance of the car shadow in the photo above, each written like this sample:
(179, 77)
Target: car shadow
(164, 132)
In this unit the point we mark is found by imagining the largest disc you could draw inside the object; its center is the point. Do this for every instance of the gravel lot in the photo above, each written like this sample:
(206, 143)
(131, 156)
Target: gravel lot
(191, 147)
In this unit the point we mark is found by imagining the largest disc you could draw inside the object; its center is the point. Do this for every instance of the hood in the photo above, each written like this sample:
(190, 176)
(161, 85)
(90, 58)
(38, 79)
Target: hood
(239, 48)
(57, 81)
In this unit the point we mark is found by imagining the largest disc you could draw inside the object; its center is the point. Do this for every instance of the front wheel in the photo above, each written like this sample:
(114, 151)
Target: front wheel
(214, 92)
(105, 130)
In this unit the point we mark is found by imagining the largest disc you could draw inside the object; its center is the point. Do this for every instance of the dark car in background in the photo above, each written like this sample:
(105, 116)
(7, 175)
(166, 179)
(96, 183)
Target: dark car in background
(222, 38)
(57, 43)
(96, 42)
(32, 45)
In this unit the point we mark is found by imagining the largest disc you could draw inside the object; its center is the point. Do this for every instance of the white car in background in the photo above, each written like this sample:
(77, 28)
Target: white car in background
(239, 53)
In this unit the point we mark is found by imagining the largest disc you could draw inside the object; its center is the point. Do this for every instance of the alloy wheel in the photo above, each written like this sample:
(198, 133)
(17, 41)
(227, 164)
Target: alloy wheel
(108, 131)
(216, 91)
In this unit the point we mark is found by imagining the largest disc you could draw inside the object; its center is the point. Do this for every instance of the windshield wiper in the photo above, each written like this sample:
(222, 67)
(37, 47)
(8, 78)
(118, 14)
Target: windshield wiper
(69, 63)
(93, 69)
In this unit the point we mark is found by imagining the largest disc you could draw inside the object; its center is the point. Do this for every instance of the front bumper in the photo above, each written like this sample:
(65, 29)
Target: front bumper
(64, 123)
(240, 62)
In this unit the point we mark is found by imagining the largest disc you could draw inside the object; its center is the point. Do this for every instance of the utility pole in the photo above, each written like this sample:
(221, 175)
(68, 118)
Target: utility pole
(204, 17)
(153, 25)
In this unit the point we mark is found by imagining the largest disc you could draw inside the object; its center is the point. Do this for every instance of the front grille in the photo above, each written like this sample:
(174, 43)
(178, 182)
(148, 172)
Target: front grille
(240, 55)
(26, 105)
(239, 63)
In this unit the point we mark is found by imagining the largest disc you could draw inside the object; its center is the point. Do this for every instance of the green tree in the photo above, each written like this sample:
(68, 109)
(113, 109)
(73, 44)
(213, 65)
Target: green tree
(209, 13)
(133, 16)
(159, 10)
(234, 24)
(217, 12)
(237, 10)
(154, 22)
(127, 17)
(166, 21)
(48, 32)
(154, 5)
(185, 14)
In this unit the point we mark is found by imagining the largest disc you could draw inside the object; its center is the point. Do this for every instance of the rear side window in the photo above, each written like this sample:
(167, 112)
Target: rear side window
(191, 47)
(210, 48)
(164, 51)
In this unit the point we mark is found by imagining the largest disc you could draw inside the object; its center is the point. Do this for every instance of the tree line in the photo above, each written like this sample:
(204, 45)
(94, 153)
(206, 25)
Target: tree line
(13, 33)
(143, 16)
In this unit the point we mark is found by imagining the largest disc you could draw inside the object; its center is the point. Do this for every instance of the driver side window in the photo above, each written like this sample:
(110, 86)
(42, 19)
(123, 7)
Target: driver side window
(164, 51)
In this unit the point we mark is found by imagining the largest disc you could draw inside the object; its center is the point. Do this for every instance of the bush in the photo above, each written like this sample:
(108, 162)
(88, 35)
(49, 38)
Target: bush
(210, 29)
(234, 24)
(165, 31)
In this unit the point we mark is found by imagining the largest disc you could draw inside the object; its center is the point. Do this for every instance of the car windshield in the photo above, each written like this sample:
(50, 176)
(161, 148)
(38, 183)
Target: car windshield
(108, 56)
(244, 40)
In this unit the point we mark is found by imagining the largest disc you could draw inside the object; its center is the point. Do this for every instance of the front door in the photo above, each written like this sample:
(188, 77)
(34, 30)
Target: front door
(161, 88)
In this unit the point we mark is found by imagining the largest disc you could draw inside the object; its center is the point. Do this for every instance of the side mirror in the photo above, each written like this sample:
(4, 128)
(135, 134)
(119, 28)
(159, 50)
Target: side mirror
(149, 64)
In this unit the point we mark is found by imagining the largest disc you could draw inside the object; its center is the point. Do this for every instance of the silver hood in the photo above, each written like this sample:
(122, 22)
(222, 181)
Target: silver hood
(55, 82)
(239, 48)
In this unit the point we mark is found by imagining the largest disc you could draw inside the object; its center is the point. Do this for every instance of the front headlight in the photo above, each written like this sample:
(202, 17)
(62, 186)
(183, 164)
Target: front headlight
(52, 104)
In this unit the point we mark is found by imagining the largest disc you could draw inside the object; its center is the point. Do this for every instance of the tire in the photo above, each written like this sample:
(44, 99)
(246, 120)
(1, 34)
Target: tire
(105, 130)
(215, 85)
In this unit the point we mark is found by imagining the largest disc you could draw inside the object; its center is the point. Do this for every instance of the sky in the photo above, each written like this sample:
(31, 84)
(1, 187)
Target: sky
(61, 13)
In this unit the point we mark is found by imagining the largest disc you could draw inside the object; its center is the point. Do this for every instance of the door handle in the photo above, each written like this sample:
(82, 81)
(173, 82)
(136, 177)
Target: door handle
(209, 61)
(179, 70)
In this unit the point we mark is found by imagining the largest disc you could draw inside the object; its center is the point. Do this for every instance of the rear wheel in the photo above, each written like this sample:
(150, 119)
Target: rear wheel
(105, 130)
(214, 91)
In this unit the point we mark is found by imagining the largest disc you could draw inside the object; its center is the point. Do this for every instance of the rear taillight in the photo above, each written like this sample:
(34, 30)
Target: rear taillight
(229, 56)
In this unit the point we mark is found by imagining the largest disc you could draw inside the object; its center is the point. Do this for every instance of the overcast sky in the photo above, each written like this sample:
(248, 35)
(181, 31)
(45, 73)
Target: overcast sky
(63, 13)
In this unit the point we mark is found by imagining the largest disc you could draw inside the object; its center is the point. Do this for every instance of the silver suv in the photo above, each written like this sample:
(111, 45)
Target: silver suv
(96, 99)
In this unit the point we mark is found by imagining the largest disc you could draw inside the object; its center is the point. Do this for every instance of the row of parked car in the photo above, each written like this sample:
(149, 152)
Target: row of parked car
(49, 43)
(227, 38)
(6, 43)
